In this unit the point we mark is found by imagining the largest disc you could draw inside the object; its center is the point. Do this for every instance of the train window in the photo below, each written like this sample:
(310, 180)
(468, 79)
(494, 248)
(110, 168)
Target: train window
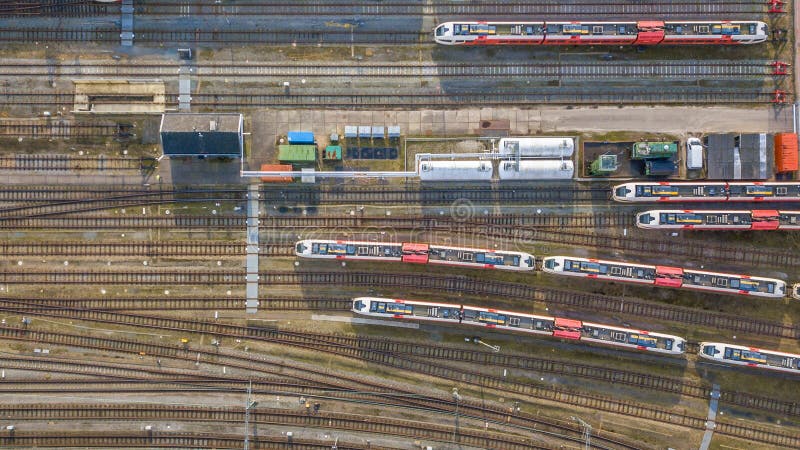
(363, 250)
(467, 256)
(619, 336)
(616, 270)
(703, 29)
(781, 190)
(721, 282)
(597, 29)
(513, 321)
(711, 219)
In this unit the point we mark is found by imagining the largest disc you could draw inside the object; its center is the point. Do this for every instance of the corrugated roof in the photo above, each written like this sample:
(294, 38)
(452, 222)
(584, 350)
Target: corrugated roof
(297, 153)
(786, 152)
(742, 157)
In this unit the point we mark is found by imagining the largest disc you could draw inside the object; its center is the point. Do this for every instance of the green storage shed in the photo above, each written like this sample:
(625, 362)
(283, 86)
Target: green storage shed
(297, 154)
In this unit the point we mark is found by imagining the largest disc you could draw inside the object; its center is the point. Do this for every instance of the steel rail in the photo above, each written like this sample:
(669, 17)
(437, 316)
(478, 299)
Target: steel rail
(425, 367)
(397, 394)
(559, 96)
(460, 284)
(538, 69)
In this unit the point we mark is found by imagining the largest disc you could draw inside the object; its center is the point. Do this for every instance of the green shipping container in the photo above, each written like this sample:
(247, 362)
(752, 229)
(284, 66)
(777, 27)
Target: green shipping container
(301, 154)
(648, 150)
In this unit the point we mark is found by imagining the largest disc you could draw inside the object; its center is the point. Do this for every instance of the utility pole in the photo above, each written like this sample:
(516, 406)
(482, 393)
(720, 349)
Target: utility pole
(587, 432)
(247, 406)
(457, 398)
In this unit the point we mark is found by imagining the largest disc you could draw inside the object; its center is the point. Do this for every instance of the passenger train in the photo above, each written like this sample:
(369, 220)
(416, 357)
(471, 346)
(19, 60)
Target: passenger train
(415, 253)
(740, 191)
(513, 321)
(719, 220)
(750, 357)
(664, 276)
(652, 32)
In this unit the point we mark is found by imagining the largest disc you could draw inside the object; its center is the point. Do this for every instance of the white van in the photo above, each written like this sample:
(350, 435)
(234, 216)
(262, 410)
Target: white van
(694, 153)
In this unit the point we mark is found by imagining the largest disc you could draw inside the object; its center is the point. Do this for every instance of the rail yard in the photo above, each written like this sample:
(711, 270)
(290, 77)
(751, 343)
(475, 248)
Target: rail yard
(399, 224)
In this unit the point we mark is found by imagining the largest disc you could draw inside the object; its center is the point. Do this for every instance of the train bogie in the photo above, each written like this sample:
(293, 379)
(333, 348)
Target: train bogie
(750, 357)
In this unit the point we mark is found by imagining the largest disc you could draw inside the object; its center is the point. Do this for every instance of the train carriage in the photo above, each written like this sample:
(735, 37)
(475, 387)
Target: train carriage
(644, 32)
(558, 327)
(719, 220)
(743, 191)
(664, 276)
(750, 356)
(417, 253)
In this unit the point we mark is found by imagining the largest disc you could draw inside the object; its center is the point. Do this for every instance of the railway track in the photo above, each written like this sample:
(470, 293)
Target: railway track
(423, 366)
(558, 96)
(571, 300)
(583, 230)
(59, 129)
(166, 439)
(335, 384)
(532, 70)
(468, 435)
(486, 9)
(67, 163)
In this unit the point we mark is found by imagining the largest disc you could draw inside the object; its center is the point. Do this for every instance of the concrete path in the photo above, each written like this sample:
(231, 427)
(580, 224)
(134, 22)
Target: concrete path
(252, 303)
(712, 417)
(358, 320)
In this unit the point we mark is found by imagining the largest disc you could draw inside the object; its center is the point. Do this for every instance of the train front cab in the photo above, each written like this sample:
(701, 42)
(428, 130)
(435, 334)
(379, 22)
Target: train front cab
(646, 219)
(301, 248)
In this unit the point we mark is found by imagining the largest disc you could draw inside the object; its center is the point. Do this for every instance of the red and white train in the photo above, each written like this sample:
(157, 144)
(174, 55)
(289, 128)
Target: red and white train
(645, 32)
(750, 356)
(740, 191)
(664, 276)
(513, 321)
(688, 219)
(416, 253)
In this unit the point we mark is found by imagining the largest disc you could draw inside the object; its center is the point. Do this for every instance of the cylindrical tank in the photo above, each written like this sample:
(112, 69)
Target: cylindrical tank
(549, 147)
(537, 169)
(455, 170)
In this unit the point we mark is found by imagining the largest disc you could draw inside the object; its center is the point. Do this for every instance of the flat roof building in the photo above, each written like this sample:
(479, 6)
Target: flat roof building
(740, 156)
(189, 134)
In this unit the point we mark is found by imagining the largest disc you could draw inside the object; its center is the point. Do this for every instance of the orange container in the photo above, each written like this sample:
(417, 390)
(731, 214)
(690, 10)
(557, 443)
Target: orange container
(276, 168)
(785, 152)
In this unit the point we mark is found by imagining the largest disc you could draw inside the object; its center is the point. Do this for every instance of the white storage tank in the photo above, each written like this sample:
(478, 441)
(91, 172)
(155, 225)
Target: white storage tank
(537, 169)
(549, 147)
(455, 170)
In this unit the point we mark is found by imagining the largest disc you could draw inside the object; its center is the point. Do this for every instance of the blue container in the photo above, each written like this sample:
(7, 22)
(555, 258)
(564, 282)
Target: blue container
(300, 137)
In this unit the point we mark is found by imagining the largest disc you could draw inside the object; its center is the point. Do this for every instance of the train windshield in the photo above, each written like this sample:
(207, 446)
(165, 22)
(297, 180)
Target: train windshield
(441, 30)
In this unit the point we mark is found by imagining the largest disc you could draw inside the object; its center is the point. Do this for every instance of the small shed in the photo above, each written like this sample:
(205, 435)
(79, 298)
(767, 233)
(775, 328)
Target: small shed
(350, 131)
(276, 168)
(297, 154)
(300, 137)
(648, 150)
(604, 165)
(394, 132)
(786, 152)
(364, 132)
(659, 167)
(188, 134)
(378, 133)
(332, 152)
